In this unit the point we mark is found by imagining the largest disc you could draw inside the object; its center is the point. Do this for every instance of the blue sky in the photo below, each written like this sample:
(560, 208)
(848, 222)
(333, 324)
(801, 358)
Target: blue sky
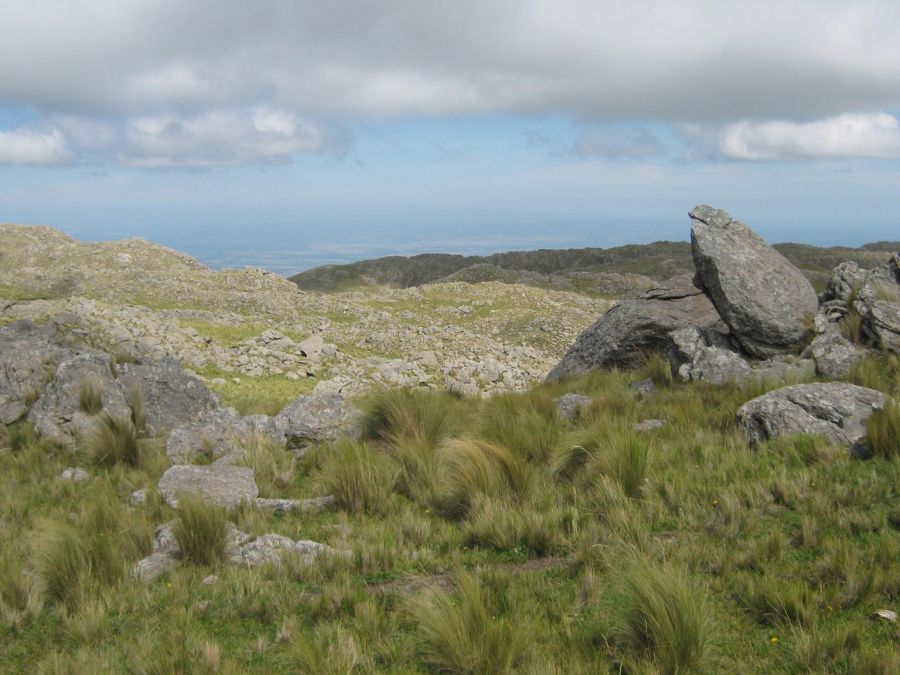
(285, 134)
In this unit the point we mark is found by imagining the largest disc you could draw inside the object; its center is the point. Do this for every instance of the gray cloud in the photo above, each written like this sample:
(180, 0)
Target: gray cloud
(616, 144)
(205, 66)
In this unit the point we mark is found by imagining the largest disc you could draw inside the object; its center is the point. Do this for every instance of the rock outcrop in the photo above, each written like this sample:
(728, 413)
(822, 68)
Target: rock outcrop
(313, 419)
(835, 410)
(634, 328)
(221, 484)
(765, 300)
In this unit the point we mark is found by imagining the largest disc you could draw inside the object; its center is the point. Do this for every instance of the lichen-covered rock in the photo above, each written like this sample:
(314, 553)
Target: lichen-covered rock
(29, 356)
(835, 410)
(569, 406)
(217, 433)
(762, 297)
(313, 419)
(59, 413)
(630, 330)
(220, 484)
(835, 355)
(170, 395)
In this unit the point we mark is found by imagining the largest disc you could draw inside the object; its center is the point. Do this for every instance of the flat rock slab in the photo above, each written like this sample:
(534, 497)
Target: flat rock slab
(835, 410)
(762, 297)
(223, 484)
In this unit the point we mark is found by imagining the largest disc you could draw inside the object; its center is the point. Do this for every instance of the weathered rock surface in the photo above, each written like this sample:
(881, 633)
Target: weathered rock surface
(634, 328)
(312, 419)
(221, 484)
(874, 295)
(569, 406)
(836, 410)
(241, 550)
(762, 297)
(835, 355)
(217, 432)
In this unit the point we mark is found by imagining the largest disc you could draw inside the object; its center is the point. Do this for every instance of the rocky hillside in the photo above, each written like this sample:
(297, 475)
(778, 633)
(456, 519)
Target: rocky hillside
(248, 330)
(623, 271)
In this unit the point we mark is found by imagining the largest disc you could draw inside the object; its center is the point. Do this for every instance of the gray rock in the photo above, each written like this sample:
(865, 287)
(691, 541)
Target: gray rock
(271, 549)
(629, 330)
(138, 497)
(153, 566)
(58, 415)
(568, 406)
(223, 484)
(648, 425)
(74, 474)
(835, 410)
(645, 386)
(282, 506)
(171, 395)
(835, 355)
(218, 432)
(313, 419)
(29, 356)
(762, 297)
(312, 347)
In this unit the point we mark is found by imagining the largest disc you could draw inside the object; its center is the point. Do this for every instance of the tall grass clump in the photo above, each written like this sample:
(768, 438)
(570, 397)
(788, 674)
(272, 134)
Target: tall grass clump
(200, 530)
(852, 323)
(273, 466)
(360, 478)
(883, 431)
(502, 526)
(90, 397)
(415, 416)
(471, 467)
(658, 369)
(114, 441)
(138, 417)
(462, 633)
(526, 424)
(661, 616)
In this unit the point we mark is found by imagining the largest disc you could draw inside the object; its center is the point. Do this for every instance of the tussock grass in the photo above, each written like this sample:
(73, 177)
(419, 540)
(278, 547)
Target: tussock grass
(503, 526)
(658, 369)
(469, 468)
(114, 441)
(200, 530)
(418, 417)
(273, 466)
(526, 425)
(361, 479)
(883, 431)
(90, 397)
(661, 616)
(461, 632)
(331, 649)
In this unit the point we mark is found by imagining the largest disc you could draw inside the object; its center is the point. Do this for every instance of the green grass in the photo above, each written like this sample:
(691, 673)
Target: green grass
(883, 431)
(114, 441)
(90, 397)
(264, 395)
(200, 530)
(575, 547)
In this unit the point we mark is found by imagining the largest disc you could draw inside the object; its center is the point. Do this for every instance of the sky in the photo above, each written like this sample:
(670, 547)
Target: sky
(291, 133)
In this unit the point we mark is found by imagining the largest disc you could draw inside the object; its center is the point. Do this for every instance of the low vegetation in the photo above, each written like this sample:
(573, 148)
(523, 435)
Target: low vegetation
(485, 536)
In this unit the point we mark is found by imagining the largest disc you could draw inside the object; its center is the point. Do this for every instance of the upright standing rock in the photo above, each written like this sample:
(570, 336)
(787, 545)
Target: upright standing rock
(762, 297)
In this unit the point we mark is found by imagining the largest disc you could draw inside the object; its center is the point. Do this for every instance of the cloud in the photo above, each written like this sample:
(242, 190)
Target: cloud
(696, 60)
(614, 144)
(218, 138)
(863, 135)
(34, 147)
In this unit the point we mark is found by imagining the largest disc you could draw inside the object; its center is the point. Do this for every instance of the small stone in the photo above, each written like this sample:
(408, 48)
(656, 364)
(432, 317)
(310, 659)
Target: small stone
(885, 615)
(138, 497)
(74, 474)
(210, 580)
(649, 425)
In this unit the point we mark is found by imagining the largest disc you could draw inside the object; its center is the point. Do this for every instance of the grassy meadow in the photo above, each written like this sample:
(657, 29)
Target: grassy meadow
(484, 536)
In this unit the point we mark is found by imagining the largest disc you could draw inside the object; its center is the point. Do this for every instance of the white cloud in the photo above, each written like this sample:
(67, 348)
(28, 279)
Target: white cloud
(874, 135)
(34, 147)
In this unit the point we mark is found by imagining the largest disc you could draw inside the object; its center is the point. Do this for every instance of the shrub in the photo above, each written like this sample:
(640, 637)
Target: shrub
(90, 397)
(114, 441)
(661, 616)
(471, 467)
(200, 530)
(273, 466)
(463, 634)
(359, 478)
(525, 424)
(883, 431)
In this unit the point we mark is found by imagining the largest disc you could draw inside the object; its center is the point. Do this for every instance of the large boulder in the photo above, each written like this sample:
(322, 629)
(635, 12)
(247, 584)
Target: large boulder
(631, 329)
(29, 356)
(835, 355)
(169, 394)
(836, 410)
(762, 297)
(216, 433)
(221, 484)
(313, 419)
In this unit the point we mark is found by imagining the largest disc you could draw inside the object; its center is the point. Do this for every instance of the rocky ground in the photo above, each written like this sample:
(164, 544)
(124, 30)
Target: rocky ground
(246, 328)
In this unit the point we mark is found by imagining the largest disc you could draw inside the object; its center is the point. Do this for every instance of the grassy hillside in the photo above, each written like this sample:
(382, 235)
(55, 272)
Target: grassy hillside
(594, 271)
(485, 536)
